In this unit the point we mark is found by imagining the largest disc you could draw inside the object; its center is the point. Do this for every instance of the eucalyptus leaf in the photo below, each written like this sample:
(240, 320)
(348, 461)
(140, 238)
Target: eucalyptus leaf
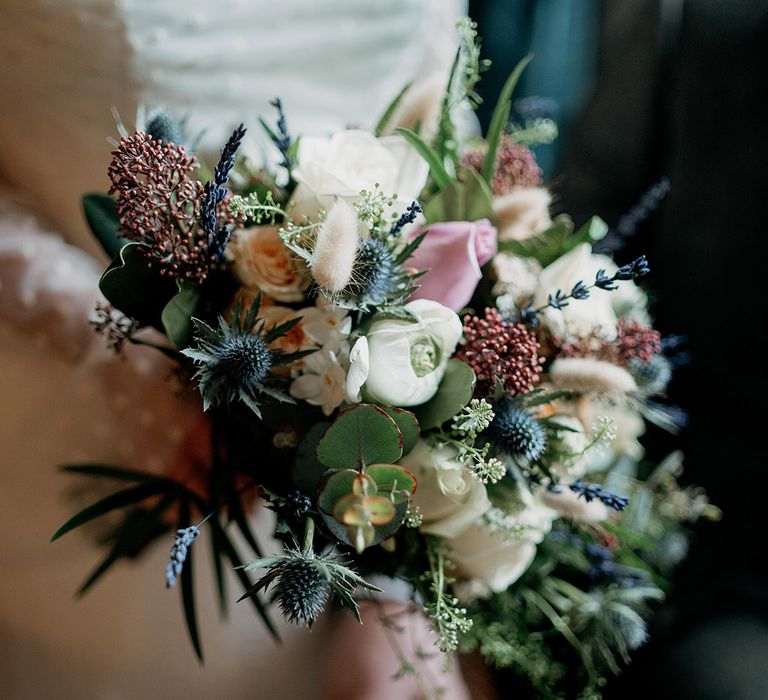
(454, 392)
(406, 424)
(363, 434)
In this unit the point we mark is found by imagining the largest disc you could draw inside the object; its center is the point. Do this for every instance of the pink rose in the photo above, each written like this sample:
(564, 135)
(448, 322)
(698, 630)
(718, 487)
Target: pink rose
(452, 253)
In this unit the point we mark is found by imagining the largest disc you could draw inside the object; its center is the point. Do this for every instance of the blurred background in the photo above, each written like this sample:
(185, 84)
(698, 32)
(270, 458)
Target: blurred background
(644, 90)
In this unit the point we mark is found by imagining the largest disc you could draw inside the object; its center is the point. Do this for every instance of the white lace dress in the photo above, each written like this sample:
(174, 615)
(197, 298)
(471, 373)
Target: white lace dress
(63, 66)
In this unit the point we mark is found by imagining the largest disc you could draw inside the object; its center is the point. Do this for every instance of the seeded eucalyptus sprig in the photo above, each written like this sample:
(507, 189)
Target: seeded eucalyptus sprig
(559, 300)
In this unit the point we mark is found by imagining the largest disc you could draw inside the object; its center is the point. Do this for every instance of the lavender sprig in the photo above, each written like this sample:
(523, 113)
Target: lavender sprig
(591, 492)
(281, 137)
(559, 300)
(628, 225)
(407, 217)
(185, 538)
(214, 193)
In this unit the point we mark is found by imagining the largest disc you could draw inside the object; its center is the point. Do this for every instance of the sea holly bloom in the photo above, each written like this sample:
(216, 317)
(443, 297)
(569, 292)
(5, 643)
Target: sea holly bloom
(235, 360)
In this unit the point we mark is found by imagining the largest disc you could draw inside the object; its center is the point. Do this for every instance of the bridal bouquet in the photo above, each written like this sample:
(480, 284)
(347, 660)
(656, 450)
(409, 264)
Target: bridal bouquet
(420, 372)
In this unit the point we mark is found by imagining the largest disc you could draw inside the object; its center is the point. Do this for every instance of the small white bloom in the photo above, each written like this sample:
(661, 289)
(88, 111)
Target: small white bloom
(408, 359)
(516, 276)
(327, 325)
(321, 382)
(359, 365)
(448, 497)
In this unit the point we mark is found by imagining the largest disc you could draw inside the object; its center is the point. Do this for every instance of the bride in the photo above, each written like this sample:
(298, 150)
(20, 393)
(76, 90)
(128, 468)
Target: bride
(65, 66)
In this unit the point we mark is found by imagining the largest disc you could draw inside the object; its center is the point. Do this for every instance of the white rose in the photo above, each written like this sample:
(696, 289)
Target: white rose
(585, 317)
(347, 162)
(407, 359)
(449, 497)
(494, 556)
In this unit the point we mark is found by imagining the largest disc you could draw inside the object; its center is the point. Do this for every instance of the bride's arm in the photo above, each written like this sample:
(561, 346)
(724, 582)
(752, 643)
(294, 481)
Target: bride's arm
(48, 289)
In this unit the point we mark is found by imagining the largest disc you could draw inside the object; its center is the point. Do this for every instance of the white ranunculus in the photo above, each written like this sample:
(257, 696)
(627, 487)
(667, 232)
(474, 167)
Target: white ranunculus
(494, 556)
(343, 164)
(407, 359)
(449, 497)
(585, 317)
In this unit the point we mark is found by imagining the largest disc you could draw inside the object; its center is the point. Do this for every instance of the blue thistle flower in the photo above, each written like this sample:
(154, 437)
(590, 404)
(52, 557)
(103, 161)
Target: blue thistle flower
(235, 360)
(515, 431)
(305, 580)
(376, 276)
(163, 126)
(301, 590)
(653, 376)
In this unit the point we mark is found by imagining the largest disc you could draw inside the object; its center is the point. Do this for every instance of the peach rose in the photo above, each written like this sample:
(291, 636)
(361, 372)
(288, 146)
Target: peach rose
(260, 260)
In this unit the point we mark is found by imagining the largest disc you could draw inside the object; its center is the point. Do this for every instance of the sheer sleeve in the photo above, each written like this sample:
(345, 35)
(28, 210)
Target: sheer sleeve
(48, 288)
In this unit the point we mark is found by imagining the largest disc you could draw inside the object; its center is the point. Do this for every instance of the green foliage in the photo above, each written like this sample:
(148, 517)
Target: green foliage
(364, 434)
(135, 288)
(466, 199)
(454, 393)
(500, 118)
(389, 112)
(177, 316)
(101, 215)
(436, 168)
(406, 424)
(363, 509)
(557, 240)
(307, 471)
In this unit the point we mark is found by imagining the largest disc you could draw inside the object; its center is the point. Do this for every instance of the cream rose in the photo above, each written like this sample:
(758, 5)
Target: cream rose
(522, 213)
(449, 497)
(260, 260)
(495, 557)
(343, 164)
(407, 359)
